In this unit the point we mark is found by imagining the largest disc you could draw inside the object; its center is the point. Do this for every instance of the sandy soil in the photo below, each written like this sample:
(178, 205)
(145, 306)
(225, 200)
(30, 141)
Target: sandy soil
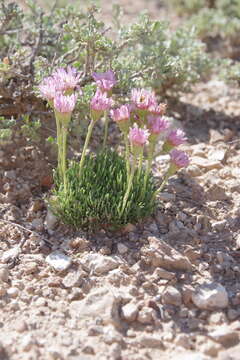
(164, 289)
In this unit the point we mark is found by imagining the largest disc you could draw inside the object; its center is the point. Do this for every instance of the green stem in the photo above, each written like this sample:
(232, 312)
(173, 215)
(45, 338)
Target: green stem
(162, 185)
(59, 142)
(130, 180)
(127, 154)
(64, 156)
(140, 165)
(149, 165)
(106, 122)
(89, 133)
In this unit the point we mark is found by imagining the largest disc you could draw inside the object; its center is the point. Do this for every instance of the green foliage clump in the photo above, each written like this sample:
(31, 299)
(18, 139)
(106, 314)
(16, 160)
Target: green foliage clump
(6, 129)
(95, 198)
(143, 54)
(167, 62)
(214, 21)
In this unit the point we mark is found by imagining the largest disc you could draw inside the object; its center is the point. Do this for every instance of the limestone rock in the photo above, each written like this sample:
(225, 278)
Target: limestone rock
(58, 261)
(98, 303)
(225, 336)
(163, 255)
(172, 296)
(72, 279)
(4, 273)
(210, 296)
(146, 315)
(11, 254)
(130, 312)
(206, 163)
(99, 264)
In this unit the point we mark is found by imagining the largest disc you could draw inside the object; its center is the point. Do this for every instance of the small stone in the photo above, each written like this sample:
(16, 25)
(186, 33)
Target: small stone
(210, 296)
(51, 220)
(130, 312)
(101, 302)
(216, 192)
(238, 242)
(58, 261)
(206, 163)
(146, 315)
(3, 289)
(111, 336)
(87, 349)
(4, 274)
(219, 225)
(76, 294)
(193, 170)
(30, 268)
(150, 341)
(80, 244)
(217, 155)
(73, 279)
(122, 249)
(187, 292)
(165, 256)
(40, 302)
(165, 196)
(99, 264)
(233, 314)
(21, 326)
(172, 296)
(163, 274)
(217, 317)
(95, 331)
(11, 254)
(210, 348)
(183, 340)
(53, 354)
(13, 292)
(28, 342)
(225, 336)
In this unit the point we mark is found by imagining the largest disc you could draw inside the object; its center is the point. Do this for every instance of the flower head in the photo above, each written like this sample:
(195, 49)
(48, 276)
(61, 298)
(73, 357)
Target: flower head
(99, 103)
(143, 99)
(48, 88)
(179, 158)
(157, 124)
(65, 104)
(105, 81)
(176, 137)
(137, 136)
(156, 109)
(66, 79)
(120, 114)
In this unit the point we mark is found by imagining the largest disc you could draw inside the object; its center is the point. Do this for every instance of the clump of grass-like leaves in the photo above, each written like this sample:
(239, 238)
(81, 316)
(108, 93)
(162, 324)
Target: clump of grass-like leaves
(95, 199)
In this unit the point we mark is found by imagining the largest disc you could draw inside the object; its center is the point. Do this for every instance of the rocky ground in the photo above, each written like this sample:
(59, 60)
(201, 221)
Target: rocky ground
(167, 288)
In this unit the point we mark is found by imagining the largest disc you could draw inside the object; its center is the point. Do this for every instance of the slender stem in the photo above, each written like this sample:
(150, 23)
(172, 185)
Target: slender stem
(130, 180)
(106, 122)
(64, 156)
(89, 133)
(59, 141)
(162, 185)
(127, 153)
(149, 165)
(140, 165)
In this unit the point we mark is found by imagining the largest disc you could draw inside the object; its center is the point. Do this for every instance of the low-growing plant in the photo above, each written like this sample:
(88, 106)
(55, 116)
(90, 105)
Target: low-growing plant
(109, 188)
(6, 129)
(215, 21)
